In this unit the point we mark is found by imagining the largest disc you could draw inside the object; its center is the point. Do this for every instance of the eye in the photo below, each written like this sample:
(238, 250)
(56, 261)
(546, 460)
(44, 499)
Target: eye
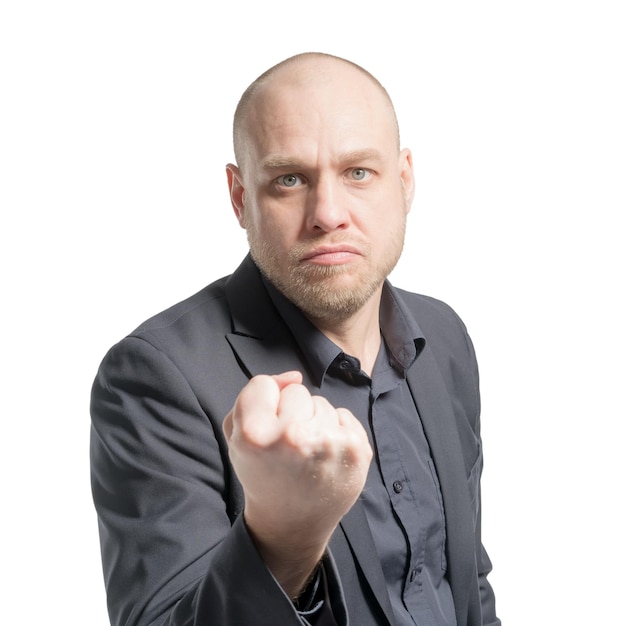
(359, 173)
(289, 180)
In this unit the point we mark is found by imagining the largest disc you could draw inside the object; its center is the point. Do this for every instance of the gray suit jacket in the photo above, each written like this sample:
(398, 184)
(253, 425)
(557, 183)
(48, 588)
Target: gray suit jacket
(174, 547)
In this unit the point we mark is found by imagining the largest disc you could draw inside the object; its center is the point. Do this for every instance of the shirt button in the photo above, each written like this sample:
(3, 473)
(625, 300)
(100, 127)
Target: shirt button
(397, 486)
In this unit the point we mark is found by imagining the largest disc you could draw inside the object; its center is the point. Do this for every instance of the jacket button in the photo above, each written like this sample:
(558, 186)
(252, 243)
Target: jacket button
(397, 486)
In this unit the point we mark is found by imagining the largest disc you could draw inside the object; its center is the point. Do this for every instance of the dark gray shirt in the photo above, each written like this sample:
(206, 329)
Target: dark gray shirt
(402, 497)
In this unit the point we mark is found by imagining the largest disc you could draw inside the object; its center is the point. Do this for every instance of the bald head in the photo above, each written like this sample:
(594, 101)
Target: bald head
(300, 72)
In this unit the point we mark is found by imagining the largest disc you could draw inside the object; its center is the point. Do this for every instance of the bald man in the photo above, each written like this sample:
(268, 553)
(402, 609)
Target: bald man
(299, 442)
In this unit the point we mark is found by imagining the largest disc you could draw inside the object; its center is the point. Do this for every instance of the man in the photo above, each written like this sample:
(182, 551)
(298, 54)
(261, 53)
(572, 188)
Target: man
(299, 442)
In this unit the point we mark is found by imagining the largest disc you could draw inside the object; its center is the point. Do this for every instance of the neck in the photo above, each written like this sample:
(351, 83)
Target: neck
(359, 335)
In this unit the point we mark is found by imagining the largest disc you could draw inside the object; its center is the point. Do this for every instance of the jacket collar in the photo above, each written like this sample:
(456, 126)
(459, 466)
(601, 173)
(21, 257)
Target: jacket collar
(259, 337)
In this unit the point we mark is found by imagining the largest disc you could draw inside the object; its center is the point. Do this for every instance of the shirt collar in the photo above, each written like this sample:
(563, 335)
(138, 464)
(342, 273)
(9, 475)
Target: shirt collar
(399, 329)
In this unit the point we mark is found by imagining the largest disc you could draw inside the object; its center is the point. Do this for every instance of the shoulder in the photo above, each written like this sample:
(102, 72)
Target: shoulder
(183, 333)
(181, 354)
(449, 342)
(211, 310)
(201, 308)
(434, 316)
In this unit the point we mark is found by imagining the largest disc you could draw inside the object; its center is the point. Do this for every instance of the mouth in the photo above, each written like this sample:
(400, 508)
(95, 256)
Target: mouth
(331, 255)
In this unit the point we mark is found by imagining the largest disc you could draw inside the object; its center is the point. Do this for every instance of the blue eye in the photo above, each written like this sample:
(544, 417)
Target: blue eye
(289, 180)
(359, 173)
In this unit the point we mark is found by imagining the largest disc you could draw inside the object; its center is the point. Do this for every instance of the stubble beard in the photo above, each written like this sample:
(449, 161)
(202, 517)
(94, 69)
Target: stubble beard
(328, 294)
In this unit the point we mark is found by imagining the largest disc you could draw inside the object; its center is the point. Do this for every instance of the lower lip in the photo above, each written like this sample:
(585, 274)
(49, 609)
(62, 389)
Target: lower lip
(331, 258)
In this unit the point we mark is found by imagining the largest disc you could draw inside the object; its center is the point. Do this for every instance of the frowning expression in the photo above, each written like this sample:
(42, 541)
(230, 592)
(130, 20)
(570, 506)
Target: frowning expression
(322, 187)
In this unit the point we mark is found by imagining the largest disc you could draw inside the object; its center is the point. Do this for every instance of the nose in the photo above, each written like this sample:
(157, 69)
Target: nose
(327, 207)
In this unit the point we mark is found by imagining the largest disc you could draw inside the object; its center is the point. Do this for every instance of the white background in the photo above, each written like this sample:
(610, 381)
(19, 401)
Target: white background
(114, 131)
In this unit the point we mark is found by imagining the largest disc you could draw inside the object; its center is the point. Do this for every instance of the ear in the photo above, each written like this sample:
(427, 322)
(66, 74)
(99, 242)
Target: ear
(407, 176)
(235, 188)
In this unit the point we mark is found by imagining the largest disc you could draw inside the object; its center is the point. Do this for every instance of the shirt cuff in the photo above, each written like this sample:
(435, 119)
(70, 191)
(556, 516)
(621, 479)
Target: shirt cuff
(314, 607)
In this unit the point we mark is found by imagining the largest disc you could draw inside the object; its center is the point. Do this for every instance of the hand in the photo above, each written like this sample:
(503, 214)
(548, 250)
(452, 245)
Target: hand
(302, 464)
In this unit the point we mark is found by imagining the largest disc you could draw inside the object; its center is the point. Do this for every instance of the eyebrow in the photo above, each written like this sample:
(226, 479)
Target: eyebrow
(278, 162)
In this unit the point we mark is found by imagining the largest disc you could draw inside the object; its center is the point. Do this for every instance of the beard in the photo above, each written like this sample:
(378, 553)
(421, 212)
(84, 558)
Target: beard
(326, 293)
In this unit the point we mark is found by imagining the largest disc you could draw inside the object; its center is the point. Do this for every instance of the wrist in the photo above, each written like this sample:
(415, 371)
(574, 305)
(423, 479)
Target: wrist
(292, 557)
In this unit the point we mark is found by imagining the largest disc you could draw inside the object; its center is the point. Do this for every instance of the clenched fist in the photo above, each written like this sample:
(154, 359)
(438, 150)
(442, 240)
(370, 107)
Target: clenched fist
(302, 464)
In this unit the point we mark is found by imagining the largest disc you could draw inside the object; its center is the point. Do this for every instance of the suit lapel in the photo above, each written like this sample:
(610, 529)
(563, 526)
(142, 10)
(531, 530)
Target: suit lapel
(359, 537)
(437, 416)
(260, 338)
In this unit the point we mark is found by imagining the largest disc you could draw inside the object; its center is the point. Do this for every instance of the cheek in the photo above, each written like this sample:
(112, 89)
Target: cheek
(277, 228)
(390, 227)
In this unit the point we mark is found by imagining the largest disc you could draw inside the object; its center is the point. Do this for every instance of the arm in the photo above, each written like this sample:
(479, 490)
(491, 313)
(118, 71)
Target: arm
(161, 484)
(483, 563)
(302, 464)
(456, 358)
(173, 550)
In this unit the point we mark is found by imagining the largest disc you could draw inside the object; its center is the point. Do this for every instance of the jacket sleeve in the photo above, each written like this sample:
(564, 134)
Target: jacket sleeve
(172, 551)
(483, 563)
(457, 360)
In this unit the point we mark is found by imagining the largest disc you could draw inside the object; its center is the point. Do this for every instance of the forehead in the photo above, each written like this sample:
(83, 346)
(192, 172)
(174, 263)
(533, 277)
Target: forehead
(319, 110)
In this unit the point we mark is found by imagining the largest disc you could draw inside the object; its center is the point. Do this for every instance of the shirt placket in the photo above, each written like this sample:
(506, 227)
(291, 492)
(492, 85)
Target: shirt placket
(403, 501)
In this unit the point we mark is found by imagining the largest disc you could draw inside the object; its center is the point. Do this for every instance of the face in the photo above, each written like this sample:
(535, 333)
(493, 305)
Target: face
(323, 190)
